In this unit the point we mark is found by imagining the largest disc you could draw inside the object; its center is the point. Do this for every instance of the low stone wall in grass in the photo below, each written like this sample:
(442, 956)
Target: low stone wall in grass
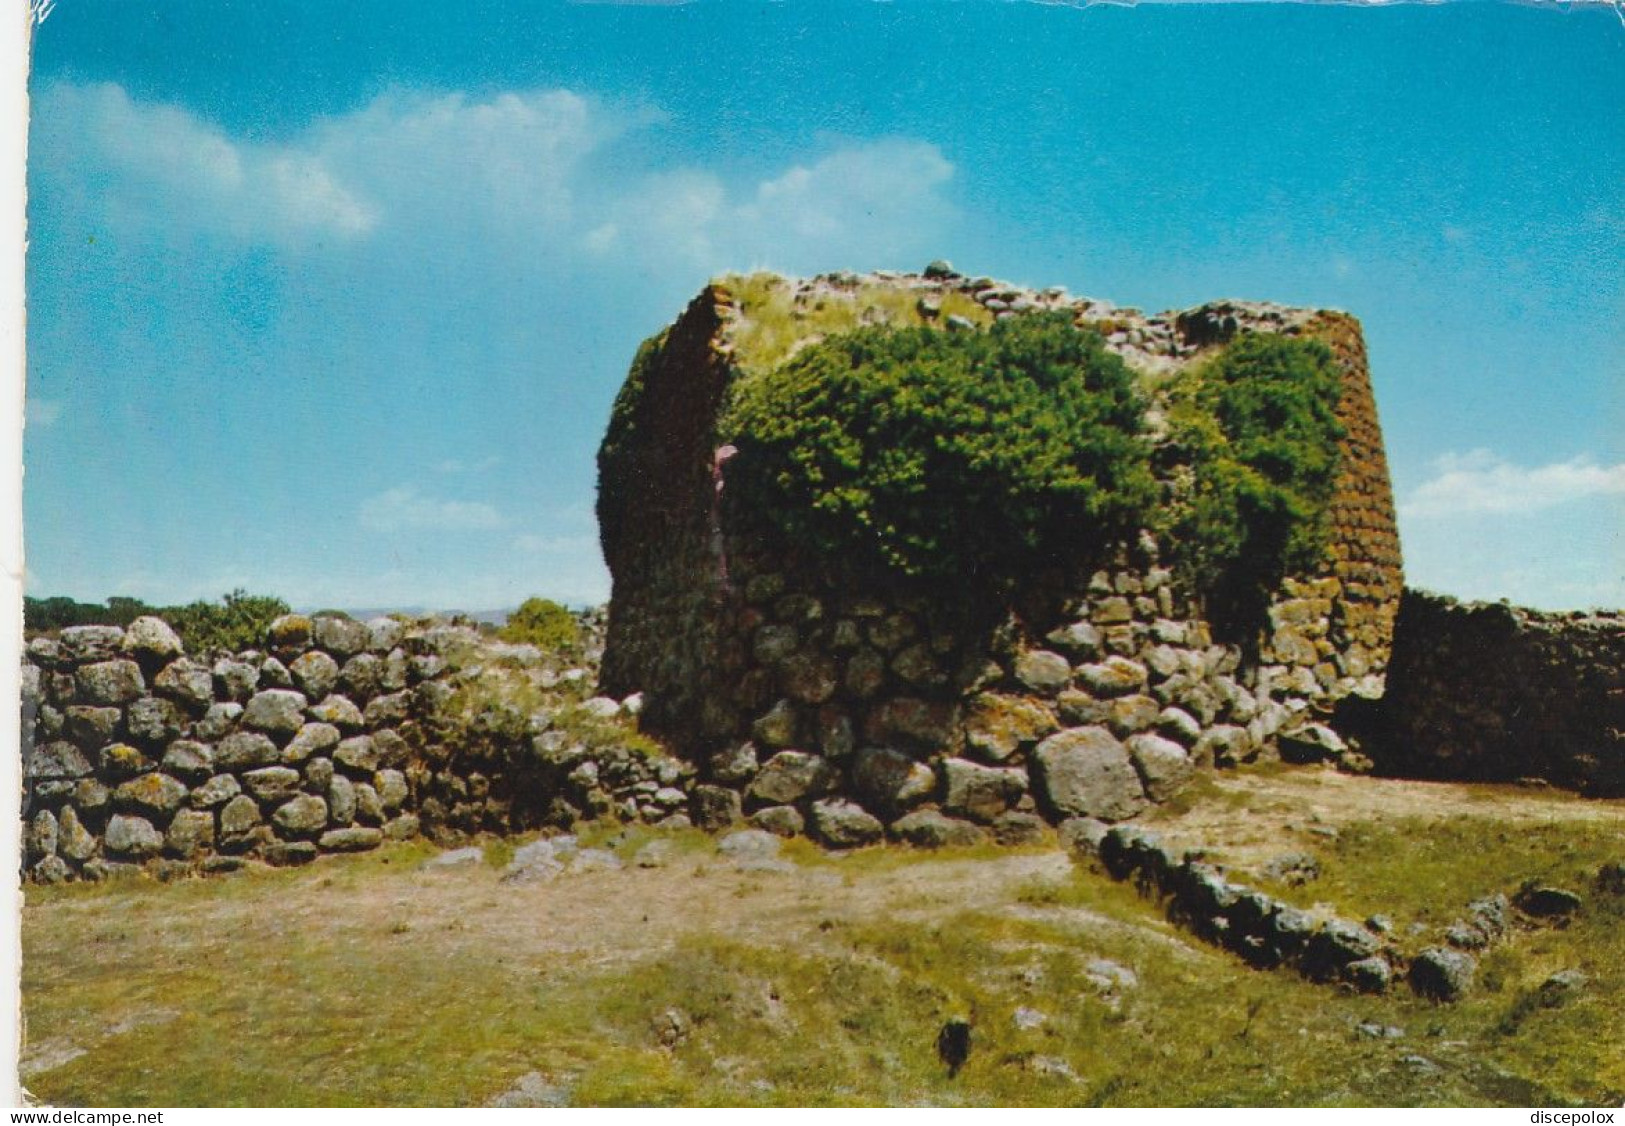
(335, 737)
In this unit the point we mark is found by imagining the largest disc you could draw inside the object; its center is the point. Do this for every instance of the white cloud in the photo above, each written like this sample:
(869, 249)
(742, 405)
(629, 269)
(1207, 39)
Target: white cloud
(402, 509)
(459, 177)
(1483, 482)
(158, 166)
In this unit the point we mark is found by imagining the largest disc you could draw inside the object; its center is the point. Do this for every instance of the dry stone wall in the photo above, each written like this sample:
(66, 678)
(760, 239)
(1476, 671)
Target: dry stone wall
(337, 736)
(849, 706)
(1492, 692)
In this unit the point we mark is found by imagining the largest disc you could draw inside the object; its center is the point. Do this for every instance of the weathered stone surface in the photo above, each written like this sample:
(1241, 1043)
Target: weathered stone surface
(1043, 672)
(865, 673)
(1080, 640)
(130, 836)
(980, 792)
(152, 721)
(289, 854)
(189, 759)
(929, 724)
(384, 634)
(1178, 725)
(391, 789)
(274, 674)
(1086, 772)
(751, 848)
(368, 809)
(715, 807)
(844, 824)
(301, 816)
(235, 679)
(997, 726)
(109, 683)
(315, 673)
(1115, 676)
(272, 783)
(216, 791)
(312, 739)
(362, 676)
(357, 754)
(1314, 742)
(1548, 902)
(394, 707)
(778, 727)
(290, 633)
(73, 840)
(276, 711)
(244, 750)
(51, 870)
(1441, 974)
(393, 750)
(930, 828)
(90, 727)
(120, 760)
(809, 678)
(919, 666)
(186, 682)
(157, 794)
(1369, 975)
(240, 814)
(343, 637)
(218, 721)
(350, 840)
(735, 765)
(40, 838)
(1130, 715)
(889, 781)
(402, 828)
(90, 643)
(1082, 835)
(1162, 763)
(190, 833)
(1224, 745)
(318, 774)
(780, 820)
(56, 760)
(339, 711)
(790, 776)
(1015, 828)
(90, 794)
(341, 801)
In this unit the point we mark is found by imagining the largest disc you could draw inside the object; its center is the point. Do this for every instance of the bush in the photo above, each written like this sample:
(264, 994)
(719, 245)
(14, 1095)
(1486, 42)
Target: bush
(545, 624)
(237, 622)
(946, 455)
(1257, 427)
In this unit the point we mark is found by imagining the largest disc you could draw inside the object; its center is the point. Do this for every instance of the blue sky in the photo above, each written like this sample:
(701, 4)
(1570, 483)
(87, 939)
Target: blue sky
(330, 301)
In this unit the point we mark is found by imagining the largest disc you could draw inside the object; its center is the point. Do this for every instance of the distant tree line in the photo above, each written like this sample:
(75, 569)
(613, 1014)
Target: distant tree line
(234, 621)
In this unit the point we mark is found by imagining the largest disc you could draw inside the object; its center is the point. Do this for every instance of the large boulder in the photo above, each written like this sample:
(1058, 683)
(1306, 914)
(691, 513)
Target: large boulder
(997, 726)
(890, 781)
(276, 711)
(844, 824)
(790, 776)
(152, 639)
(1086, 772)
(979, 792)
(109, 683)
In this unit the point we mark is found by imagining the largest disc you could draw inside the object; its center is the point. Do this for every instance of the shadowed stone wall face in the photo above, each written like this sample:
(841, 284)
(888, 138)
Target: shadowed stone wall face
(1496, 693)
(811, 696)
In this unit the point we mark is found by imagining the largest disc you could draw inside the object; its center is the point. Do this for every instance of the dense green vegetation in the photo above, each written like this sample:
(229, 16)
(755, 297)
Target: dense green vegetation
(545, 624)
(1257, 426)
(235, 621)
(946, 455)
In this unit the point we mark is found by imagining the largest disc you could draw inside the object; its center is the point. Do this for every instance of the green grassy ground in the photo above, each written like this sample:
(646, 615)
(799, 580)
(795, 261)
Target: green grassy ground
(369, 981)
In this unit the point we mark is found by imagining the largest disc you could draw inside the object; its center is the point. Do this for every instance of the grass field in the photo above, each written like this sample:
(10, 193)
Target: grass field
(373, 980)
